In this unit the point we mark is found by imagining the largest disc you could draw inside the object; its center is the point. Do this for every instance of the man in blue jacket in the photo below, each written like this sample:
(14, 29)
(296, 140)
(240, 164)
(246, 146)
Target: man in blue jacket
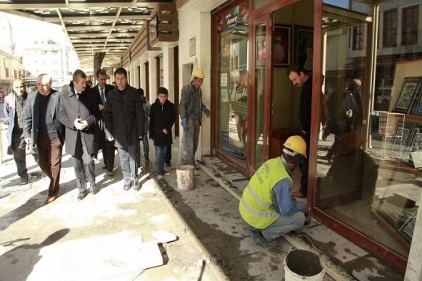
(267, 205)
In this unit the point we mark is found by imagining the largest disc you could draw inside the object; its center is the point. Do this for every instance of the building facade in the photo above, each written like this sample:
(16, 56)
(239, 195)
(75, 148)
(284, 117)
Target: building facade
(10, 69)
(48, 56)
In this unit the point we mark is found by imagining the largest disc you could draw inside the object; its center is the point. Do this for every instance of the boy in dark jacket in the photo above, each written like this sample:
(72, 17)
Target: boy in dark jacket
(162, 118)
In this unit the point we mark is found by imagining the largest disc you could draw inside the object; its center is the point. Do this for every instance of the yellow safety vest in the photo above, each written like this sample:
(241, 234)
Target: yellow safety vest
(256, 206)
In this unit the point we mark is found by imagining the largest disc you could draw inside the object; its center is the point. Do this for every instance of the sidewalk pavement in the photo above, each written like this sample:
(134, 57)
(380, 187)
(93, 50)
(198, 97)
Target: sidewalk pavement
(106, 236)
(113, 234)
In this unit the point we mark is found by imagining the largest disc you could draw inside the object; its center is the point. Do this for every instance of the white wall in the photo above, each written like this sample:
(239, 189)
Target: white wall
(196, 24)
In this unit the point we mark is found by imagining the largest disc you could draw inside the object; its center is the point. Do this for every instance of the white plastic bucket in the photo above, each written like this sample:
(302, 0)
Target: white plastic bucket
(302, 265)
(185, 177)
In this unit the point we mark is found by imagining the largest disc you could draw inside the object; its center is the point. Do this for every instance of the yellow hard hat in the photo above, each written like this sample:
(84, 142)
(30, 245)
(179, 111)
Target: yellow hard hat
(297, 145)
(198, 73)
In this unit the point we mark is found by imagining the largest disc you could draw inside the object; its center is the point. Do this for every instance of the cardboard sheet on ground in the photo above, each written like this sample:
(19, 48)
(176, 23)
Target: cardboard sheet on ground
(163, 236)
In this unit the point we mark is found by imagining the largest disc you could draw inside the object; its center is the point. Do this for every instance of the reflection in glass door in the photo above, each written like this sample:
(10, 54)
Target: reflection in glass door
(262, 116)
(353, 180)
(232, 75)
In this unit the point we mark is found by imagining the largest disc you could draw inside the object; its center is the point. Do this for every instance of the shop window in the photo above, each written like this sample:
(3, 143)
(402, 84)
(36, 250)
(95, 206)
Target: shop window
(410, 19)
(233, 50)
(390, 28)
(370, 158)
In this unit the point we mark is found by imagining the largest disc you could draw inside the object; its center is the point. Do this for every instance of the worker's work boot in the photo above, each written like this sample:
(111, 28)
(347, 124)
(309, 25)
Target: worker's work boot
(261, 241)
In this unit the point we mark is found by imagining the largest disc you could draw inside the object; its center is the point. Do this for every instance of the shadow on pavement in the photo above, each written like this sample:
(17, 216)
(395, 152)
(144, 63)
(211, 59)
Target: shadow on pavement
(31, 205)
(18, 263)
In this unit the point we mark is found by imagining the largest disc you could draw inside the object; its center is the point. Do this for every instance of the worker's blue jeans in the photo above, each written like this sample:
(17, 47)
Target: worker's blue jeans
(283, 225)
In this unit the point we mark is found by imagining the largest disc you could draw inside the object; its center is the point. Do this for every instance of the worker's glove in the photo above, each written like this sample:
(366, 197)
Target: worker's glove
(184, 123)
(207, 112)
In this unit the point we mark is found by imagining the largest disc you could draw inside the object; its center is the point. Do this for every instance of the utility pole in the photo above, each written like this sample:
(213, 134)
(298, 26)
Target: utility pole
(11, 50)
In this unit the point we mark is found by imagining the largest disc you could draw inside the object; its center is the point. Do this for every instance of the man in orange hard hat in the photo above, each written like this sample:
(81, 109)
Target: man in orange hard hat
(190, 109)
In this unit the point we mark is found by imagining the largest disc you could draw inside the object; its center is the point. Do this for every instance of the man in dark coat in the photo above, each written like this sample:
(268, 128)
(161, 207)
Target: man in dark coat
(124, 119)
(43, 129)
(101, 91)
(13, 110)
(162, 118)
(301, 78)
(78, 112)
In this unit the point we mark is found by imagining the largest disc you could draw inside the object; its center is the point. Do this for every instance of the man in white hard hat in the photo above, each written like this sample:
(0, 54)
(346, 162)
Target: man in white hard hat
(267, 205)
(190, 109)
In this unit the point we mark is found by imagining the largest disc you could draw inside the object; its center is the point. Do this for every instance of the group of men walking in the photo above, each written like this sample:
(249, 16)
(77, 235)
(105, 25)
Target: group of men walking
(85, 120)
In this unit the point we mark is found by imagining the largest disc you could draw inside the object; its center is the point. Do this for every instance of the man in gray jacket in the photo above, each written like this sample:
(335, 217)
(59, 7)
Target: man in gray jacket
(190, 109)
(79, 112)
(43, 130)
(13, 110)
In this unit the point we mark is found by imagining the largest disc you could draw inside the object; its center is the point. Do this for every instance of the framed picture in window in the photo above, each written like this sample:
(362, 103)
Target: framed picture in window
(281, 45)
(415, 147)
(417, 101)
(406, 230)
(407, 94)
(304, 40)
(400, 146)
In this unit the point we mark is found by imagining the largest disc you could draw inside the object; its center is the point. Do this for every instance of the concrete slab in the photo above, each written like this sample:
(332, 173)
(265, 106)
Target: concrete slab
(338, 247)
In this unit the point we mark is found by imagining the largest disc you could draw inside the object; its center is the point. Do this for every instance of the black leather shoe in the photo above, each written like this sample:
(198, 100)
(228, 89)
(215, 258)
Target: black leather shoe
(110, 173)
(23, 181)
(50, 199)
(137, 185)
(81, 195)
(93, 188)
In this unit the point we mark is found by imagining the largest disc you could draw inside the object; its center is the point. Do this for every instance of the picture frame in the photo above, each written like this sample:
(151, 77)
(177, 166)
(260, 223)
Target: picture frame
(261, 50)
(415, 146)
(400, 144)
(407, 94)
(282, 45)
(416, 108)
(406, 230)
(304, 46)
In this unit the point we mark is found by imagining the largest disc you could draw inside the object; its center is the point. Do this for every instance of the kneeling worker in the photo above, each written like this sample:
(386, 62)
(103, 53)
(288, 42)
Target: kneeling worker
(266, 205)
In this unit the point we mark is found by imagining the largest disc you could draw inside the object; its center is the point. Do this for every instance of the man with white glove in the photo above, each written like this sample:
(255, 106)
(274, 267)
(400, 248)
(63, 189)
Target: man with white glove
(79, 113)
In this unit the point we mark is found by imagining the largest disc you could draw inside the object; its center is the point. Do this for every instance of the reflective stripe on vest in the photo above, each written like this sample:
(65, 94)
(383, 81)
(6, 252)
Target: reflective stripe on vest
(258, 199)
(256, 206)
